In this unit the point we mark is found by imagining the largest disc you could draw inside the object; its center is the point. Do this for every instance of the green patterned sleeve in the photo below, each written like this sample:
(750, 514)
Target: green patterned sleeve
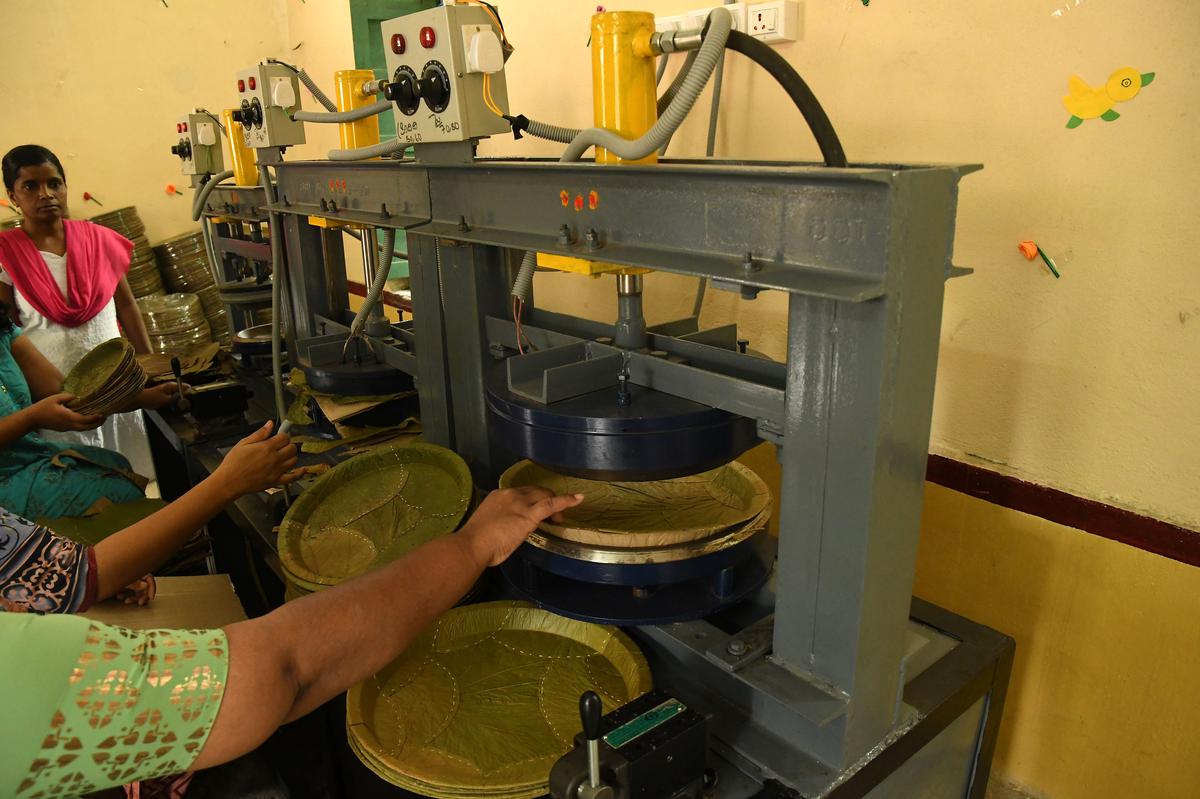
(135, 705)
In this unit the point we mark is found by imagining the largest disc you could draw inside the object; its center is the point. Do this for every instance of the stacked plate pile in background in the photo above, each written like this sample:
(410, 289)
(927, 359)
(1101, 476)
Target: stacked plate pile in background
(175, 322)
(143, 278)
(183, 261)
(106, 380)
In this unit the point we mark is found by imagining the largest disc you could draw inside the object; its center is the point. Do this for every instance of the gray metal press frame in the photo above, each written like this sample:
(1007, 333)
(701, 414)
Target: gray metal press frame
(862, 252)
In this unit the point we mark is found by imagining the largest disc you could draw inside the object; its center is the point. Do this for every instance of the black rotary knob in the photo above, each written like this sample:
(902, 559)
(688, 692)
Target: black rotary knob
(434, 87)
(402, 90)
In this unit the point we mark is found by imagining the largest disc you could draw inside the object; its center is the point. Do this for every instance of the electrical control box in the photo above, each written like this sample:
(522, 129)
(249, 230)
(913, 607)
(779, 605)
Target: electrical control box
(199, 146)
(267, 96)
(437, 62)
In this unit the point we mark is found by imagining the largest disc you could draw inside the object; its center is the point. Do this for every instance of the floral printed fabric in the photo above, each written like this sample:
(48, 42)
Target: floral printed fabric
(42, 572)
(89, 706)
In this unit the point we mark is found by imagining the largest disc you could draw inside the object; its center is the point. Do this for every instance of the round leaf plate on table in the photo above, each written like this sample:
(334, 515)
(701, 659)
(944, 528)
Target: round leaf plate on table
(371, 510)
(487, 699)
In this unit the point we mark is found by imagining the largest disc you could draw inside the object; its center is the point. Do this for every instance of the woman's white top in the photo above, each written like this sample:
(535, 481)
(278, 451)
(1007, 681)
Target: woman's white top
(64, 347)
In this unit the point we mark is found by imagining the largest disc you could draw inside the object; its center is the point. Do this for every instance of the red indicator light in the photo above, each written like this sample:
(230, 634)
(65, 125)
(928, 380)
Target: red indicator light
(241, 85)
(428, 37)
(179, 127)
(398, 44)
(252, 83)
(184, 127)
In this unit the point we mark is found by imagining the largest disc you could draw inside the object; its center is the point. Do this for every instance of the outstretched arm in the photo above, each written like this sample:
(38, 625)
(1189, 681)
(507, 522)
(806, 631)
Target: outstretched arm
(257, 462)
(292, 660)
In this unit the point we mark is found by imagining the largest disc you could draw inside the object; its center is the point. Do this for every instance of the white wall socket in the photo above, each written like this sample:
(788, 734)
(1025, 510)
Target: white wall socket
(672, 23)
(776, 21)
(697, 18)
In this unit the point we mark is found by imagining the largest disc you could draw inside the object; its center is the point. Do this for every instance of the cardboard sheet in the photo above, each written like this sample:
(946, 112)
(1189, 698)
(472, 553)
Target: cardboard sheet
(193, 603)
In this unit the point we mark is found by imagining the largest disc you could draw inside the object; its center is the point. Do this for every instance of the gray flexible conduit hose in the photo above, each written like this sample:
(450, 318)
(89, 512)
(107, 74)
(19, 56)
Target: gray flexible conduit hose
(683, 93)
(720, 23)
(205, 190)
(714, 110)
(377, 283)
(661, 69)
(523, 283)
(557, 133)
(343, 116)
(670, 93)
(374, 151)
(354, 234)
(543, 130)
(673, 88)
(276, 297)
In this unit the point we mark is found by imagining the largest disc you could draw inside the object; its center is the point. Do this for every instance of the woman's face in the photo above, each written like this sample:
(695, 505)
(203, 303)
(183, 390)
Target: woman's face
(40, 192)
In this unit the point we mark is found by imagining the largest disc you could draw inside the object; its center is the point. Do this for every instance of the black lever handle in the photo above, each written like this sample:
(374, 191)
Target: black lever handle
(182, 403)
(589, 714)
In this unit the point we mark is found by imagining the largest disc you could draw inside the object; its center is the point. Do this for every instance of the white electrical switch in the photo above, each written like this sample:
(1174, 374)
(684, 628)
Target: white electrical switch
(778, 21)
(206, 134)
(677, 22)
(484, 52)
(282, 93)
(697, 18)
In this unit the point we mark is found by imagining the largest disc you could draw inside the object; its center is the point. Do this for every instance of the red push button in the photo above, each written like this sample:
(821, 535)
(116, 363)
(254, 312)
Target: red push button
(252, 83)
(428, 37)
(241, 85)
(398, 43)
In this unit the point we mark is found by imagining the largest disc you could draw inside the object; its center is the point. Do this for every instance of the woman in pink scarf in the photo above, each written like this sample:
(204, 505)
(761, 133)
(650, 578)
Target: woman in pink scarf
(64, 284)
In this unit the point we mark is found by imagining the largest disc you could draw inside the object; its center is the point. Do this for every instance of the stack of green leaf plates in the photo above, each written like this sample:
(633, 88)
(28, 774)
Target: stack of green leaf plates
(370, 510)
(106, 380)
(175, 322)
(485, 701)
(185, 267)
(143, 278)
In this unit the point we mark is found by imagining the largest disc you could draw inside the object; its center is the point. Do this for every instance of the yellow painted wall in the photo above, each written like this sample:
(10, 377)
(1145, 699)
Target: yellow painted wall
(103, 83)
(1105, 700)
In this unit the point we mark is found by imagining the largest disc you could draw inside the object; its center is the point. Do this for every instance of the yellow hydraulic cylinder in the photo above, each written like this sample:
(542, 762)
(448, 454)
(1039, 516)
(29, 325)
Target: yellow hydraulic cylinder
(348, 94)
(245, 168)
(624, 89)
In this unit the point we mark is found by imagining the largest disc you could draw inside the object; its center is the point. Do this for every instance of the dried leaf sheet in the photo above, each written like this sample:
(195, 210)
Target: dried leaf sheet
(655, 513)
